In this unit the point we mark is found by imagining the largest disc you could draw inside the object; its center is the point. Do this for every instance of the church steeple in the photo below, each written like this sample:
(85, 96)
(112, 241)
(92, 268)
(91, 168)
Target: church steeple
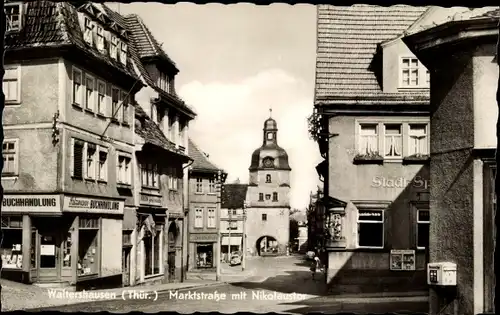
(270, 130)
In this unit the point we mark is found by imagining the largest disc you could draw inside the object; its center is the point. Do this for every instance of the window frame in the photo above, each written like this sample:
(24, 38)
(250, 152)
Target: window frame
(104, 179)
(275, 196)
(263, 217)
(426, 135)
(88, 27)
(113, 48)
(268, 178)
(114, 108)
(199, 186)
(150, 171)
(361, 136)
(211, 220)
(211, 186)
(100, 38)
(7, 19)
(75, 96)
(101, 107)
(358, 222)
(123, 175)
(125, 107)
(89, 101)
(384, 141)
(418, 222)
(16, 157)
(261, 196)
(74, 141)
(17, 68)
(123, 52)
(95, 160)
(199, 214)
(421, 73)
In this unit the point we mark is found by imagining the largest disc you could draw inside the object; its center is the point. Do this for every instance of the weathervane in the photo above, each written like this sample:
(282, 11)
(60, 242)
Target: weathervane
(270, 111)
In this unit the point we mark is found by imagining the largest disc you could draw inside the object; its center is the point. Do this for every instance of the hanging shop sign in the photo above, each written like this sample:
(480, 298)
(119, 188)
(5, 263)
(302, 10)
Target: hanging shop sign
(152, 200)
(31, 203)
(402, 259)
(92, 205)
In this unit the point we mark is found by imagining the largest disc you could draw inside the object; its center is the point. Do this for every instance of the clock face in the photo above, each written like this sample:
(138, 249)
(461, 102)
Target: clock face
(268, 162)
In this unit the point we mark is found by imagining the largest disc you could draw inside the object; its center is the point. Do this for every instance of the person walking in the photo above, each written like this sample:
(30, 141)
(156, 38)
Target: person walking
(316, 265)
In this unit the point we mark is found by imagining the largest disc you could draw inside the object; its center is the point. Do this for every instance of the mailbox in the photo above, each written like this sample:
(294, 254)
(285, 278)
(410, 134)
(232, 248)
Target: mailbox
(442, 274)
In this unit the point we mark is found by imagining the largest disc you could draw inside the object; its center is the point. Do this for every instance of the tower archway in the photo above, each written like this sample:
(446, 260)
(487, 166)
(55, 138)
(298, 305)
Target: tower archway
(267, 245)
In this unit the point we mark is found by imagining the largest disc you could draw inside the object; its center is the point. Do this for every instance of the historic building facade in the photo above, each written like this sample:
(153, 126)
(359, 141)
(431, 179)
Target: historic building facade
(232, 219)
(372, 126)
(68, 126)
(204, 214)
(460, 51)
(157, 224)
(268, 196)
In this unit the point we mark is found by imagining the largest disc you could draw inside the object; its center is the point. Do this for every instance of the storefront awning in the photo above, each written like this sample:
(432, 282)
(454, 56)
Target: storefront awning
(235, 240)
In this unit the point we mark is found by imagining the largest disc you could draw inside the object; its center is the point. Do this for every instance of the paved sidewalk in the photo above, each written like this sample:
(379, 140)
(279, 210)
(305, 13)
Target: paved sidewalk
(18, 296)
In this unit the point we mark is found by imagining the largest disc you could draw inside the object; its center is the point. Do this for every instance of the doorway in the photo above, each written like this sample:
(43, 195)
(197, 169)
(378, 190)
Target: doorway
(126, 266)
(49, 253)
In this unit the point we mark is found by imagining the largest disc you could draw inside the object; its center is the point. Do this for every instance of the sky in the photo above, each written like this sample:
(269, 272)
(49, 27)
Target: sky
(236, 62)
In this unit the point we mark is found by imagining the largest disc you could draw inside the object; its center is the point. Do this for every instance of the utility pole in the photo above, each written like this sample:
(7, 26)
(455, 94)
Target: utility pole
(244, 237)
(229, 234)
(219, 247)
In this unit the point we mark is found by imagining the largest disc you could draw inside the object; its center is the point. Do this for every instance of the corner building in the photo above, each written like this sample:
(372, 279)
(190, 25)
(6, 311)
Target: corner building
(268, 196)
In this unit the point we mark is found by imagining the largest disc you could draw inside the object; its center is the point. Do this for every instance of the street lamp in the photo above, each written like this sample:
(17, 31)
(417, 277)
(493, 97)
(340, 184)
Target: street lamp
(244, 237)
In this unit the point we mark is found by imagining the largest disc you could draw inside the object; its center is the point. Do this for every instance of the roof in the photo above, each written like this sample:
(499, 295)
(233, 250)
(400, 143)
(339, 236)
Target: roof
(143, 44)
(55, 24)
(233, 196)
(200, 159)
(151, 133)
(347, 43)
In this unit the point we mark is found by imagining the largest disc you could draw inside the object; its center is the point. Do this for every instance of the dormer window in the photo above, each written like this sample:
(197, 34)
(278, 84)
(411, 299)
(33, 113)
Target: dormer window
(113, 49)
(89, 27)
(13, 16)
(123, 53)
(413, 74)
(162, 81)
(100, 38)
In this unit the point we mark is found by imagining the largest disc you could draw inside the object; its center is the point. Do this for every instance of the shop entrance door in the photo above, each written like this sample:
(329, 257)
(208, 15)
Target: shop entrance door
(171, 266)
(126, 266)
(50, 244)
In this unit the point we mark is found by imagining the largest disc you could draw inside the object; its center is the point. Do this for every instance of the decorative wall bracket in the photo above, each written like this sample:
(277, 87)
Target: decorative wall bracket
(334, 228)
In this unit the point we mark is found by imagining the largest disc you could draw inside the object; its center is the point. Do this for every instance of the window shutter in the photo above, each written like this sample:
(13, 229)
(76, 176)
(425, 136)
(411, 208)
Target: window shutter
(72, 157)
(78, 159)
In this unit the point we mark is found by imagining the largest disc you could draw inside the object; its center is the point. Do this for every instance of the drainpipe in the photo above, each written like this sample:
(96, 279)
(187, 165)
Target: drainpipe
(497, 178)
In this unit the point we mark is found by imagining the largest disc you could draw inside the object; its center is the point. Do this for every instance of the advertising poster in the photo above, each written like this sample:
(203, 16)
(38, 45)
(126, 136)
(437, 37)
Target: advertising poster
(402, 259)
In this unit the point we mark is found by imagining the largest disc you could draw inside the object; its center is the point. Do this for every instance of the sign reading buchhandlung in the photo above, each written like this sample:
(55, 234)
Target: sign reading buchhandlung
(402, 259)
(92, 205)
(31, 203)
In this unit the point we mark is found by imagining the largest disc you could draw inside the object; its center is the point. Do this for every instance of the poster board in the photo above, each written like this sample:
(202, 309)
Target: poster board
(402, 259)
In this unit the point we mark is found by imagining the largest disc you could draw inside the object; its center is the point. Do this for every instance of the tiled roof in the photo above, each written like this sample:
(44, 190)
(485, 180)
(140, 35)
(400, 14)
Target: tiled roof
(142, 44)
(55, 24)
(348, 39)
(151, 133)
(200, 159)
(233, 196)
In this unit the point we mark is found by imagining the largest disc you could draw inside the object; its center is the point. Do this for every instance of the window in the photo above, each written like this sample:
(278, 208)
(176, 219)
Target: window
(89, 93)
(232, 225)
(211, 218)
(101, 97)
(10, 153)
(418, 141)
(78, 148)
(368, 139)
(160, 114)
(270, 136)
(102, 170)
(427, 77)
(124, 171)
(204, 256)
(90, 170)
(371, 228)
(115, 96)
(12, 239)
(409, 71)
(153, 244)
(235, 212)
(88, 253)
(172, 178)
(275, 196)
(13, 16)
(393, 141)
(149, 176)
(88, 32)
(123, 53)
(171, 134)
(170, 88)
(154, 113)
(77, 86)
(264, 217)
(198, 218)
(199, 185)
(211, 186)
(11, 84)
(423, 228)
(100, 38)
(113, 48)
(162, 81)
(268, 178)
(268, 196)
(125, 108)
(261, 197)
(66, 249)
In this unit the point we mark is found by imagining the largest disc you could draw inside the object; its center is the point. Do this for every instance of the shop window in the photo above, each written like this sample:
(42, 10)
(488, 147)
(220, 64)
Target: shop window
(211, 186)
(268, 178)
(423, 229)
(371, 228)
(418, 140)
(204, 256)
(11, 245)
(393, 141)
(88, 254)
(10, 153)
(47, 251)
(261, 197)
(124, 170)
(275, 196)
(211, 218)
(66, 250)
(77, 87)
(33, 249)
(152, 252)
(199, 185)
(89, 93)
(198, 218)
(12, 84)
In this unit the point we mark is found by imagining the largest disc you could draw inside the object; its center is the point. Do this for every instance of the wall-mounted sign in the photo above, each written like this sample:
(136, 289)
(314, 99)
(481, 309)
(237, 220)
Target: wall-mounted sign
(150, 199)
(402, 259)
(400, 182)
(92, 205)
(31, 203)
(203, 237)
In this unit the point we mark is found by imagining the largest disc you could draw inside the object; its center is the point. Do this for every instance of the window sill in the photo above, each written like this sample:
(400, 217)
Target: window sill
(393, 160)
(172, 190)
(101, 116)
(89, 111)
(366, 159)
(88, 179)
(124, 185)
(13, 103)
(125, 124)
(212, 194)
(102, 181)
(77, 106)
(150, 188)
(10, 176)
(115, 121)
(414, 159)
(412, 88)
(199, 193)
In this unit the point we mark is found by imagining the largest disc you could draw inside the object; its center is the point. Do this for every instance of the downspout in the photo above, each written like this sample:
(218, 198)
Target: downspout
(497, 180)
(185, 232)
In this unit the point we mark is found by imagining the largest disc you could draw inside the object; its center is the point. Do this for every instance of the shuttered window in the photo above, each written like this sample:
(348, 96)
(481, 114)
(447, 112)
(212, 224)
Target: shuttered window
(78, 159)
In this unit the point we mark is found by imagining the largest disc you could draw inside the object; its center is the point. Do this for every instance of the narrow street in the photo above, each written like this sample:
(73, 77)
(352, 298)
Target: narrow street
(281, 284)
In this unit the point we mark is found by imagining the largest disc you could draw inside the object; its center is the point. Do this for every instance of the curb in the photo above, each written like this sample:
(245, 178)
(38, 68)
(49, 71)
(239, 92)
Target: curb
(213, 284)
(382, 300)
